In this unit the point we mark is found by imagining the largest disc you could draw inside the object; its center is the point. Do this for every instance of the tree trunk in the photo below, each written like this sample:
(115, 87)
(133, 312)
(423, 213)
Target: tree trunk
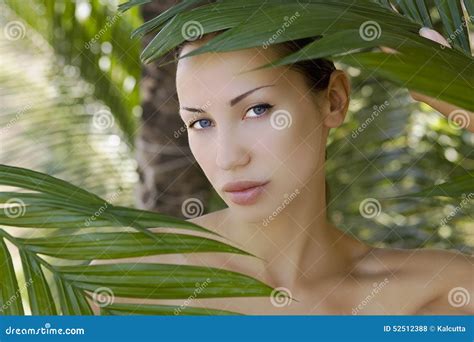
(169, 174)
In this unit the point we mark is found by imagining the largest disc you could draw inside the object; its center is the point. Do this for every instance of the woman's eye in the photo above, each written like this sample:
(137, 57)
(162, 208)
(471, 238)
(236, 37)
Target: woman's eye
(258, 110)
(201, 124)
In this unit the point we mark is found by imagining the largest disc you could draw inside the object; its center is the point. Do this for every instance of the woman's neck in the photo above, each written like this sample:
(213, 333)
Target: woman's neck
(299, 246)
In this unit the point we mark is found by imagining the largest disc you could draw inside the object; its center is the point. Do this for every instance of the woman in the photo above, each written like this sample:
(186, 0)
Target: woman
(257, 164)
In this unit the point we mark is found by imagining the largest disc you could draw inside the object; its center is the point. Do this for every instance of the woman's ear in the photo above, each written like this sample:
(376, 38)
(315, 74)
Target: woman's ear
(337, 96)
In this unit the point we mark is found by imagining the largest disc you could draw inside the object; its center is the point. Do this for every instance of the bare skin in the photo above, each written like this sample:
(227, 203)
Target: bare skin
(325, 270)
(352, 278)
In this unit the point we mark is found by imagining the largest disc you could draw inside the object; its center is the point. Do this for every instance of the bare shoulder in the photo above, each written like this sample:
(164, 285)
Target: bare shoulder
(445, 277)
(211, 220)
(426, 258)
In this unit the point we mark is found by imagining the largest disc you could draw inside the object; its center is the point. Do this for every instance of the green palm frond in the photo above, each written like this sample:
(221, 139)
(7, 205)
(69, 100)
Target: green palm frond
(127, 309)
(347, 31)
(59, 103)
(389, 163)
(87, 25)
(57, 283)
(455, 188)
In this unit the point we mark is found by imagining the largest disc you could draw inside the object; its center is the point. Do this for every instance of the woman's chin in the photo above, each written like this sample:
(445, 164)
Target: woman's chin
(261, 213)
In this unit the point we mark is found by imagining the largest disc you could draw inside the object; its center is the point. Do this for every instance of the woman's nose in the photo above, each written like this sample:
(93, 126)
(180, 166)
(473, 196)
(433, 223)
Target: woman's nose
(231, 152)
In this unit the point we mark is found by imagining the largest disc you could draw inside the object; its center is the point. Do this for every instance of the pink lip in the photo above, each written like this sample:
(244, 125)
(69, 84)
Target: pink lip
(245, 192)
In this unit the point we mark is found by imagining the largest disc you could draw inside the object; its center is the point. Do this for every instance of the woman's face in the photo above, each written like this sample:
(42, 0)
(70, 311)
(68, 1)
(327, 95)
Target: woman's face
(264, 126)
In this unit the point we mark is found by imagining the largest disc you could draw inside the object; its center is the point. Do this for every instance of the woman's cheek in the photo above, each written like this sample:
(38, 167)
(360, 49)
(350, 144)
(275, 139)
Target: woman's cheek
(203, 151)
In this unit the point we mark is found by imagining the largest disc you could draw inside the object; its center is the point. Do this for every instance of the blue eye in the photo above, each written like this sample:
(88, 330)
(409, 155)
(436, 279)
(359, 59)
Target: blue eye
(259, 110)
(203, 123)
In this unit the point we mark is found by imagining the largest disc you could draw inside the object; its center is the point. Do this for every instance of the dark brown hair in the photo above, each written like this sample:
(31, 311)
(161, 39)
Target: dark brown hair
(317, 71)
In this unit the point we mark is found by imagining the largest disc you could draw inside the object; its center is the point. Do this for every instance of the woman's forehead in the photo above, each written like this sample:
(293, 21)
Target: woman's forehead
(228, 71)
(230, 63)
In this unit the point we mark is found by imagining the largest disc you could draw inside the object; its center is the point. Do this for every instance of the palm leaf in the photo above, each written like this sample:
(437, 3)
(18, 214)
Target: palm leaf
(58, 20)
(41, 299)
(63, 94)
(454, 23)
(163, 281)
(134, 309)
(456, 188)
(92, 246)
(324, 19)
(71, 300)
(10, 296)
(59, 284)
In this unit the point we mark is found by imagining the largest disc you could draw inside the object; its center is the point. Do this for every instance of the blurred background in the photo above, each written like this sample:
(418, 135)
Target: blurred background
(77, 103)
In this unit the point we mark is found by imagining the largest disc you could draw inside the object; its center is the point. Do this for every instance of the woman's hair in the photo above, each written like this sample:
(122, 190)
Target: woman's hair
(317, 71)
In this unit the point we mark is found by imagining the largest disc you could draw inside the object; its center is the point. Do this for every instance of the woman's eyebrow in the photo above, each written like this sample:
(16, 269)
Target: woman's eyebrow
(235, 100)
(194, 110)
(232, 102)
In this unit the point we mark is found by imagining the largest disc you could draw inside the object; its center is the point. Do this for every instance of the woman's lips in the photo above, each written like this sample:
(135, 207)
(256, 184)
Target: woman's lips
(246, 196)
